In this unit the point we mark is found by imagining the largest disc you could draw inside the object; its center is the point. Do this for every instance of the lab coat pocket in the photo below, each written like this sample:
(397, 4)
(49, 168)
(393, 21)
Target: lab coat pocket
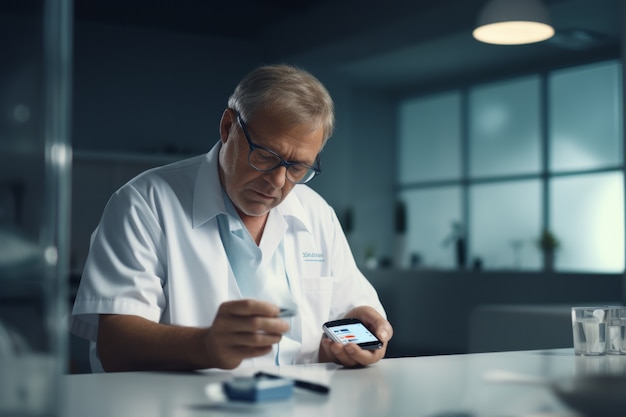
(317, 294)
(317, 285)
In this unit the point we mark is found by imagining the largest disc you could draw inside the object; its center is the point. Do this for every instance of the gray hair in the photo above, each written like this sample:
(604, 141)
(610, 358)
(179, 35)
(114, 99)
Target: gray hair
(292, 91)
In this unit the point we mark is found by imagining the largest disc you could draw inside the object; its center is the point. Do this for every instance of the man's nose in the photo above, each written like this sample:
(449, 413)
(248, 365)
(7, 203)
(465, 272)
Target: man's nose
(278, 176)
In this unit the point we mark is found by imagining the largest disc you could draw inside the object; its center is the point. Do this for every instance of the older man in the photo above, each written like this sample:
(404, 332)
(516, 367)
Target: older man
(191, 262)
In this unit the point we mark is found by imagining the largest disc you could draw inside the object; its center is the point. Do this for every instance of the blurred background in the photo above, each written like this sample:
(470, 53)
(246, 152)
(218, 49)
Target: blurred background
(485, 178)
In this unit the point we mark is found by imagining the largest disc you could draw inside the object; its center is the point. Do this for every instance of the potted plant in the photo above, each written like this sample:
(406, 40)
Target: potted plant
(548, 243)
(370, 257)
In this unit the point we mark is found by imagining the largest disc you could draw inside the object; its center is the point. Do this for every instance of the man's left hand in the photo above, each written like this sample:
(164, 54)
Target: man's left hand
(351, 355)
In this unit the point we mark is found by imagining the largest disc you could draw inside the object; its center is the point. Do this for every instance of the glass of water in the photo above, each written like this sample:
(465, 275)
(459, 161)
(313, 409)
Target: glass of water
(616, 326)
(589, 325)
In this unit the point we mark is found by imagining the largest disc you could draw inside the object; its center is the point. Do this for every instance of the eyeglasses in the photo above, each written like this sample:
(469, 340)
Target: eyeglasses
(266, 160)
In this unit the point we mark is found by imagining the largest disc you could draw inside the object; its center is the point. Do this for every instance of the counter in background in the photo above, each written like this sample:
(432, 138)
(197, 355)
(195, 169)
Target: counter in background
(432, 311)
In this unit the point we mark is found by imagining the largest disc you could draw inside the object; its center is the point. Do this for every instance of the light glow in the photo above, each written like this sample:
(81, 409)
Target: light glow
(513, 32)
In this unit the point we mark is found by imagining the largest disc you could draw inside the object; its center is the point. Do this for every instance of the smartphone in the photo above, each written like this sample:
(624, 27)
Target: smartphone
(352, 331)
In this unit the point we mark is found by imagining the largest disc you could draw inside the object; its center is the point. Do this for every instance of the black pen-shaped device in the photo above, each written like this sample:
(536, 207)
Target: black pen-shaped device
(311, 386)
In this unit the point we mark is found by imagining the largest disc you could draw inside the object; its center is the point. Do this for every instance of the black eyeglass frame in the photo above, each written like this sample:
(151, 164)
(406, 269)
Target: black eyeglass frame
(281, 161)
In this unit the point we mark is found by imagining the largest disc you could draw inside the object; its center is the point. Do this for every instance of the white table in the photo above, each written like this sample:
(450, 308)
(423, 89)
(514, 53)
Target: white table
(435, 386)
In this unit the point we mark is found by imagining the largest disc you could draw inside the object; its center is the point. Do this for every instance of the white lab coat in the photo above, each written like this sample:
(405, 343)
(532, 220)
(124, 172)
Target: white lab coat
(157, 254)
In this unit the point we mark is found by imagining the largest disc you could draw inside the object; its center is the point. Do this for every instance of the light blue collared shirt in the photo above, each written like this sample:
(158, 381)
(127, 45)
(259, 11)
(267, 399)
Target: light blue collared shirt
(260, 270)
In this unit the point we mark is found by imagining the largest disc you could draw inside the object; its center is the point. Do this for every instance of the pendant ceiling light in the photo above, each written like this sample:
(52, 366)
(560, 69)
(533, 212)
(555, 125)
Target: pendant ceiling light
(513, 22)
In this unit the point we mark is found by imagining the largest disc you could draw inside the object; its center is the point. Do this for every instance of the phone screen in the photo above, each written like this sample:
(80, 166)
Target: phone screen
(353, 333)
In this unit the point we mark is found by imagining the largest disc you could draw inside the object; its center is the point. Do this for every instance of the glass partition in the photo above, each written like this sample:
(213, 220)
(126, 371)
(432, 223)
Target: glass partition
(35, 160)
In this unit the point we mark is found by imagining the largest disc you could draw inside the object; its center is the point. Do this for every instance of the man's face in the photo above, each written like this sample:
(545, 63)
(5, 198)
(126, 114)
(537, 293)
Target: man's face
(255, 193)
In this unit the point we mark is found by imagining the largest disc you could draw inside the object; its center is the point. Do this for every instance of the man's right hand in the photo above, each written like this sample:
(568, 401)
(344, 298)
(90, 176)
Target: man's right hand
(241, 329)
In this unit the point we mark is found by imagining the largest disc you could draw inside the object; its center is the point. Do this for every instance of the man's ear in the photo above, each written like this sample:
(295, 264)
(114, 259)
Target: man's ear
(226, 124)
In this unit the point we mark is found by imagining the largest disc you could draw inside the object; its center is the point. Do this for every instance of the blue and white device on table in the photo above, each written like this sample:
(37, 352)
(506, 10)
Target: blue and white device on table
(352, 331)
(258, 389)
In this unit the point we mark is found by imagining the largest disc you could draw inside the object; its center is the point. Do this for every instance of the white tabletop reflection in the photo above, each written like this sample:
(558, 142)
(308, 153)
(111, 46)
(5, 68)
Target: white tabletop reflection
(503, 384)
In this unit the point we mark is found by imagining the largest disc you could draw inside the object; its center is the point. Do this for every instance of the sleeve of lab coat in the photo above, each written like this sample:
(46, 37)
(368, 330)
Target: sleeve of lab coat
(124, 273)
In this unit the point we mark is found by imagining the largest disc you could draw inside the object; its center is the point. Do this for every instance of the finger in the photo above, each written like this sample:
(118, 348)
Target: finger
(258, 324)
(383, 330)
(368, 357)
(254, 339)
(249, 307)
(374, 321)
(341, 356)
(355, 354)
(227, 323)
(251, 351)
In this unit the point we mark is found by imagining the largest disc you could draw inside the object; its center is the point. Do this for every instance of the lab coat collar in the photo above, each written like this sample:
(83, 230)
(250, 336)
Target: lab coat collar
(292, 208)
(207, 194)
(208, 201)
